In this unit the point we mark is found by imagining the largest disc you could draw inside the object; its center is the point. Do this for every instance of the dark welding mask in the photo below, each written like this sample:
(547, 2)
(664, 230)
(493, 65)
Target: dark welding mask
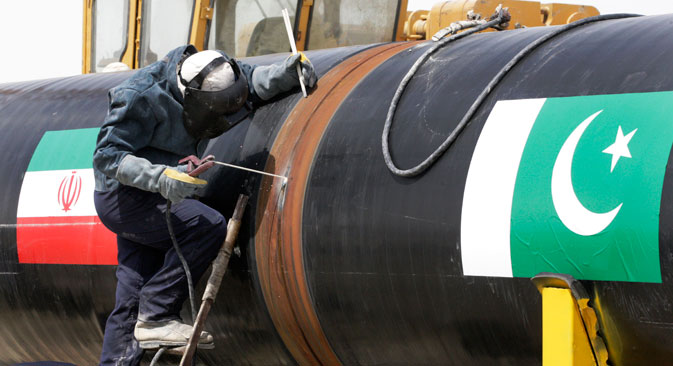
(209, 113)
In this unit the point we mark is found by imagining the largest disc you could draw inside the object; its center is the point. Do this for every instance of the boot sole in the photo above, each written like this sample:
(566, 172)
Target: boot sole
(159, 344)
(179, 351)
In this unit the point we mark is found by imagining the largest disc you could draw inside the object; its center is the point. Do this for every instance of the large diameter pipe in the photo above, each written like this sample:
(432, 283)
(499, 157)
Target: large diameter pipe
(352, 265)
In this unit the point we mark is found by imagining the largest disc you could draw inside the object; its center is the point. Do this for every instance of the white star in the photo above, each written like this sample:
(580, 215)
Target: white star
(620, 147)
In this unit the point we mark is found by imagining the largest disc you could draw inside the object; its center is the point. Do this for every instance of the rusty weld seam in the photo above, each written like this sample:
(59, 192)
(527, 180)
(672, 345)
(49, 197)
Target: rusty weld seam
(278, 243)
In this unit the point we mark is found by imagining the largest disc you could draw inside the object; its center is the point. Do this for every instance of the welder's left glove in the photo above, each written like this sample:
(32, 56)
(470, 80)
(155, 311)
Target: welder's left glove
(172, 183)
(176, 185)
(268, 81)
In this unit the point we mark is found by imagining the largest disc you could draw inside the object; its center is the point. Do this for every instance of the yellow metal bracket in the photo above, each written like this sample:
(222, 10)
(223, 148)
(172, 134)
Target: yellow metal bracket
(131, 56)
(203, 14)
(207, 13)
(415, 27)
(302, 24)
(86, 35)
(570, 330)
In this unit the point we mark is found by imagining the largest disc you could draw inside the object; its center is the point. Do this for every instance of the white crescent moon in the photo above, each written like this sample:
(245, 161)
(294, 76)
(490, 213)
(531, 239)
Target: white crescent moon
(570, 210)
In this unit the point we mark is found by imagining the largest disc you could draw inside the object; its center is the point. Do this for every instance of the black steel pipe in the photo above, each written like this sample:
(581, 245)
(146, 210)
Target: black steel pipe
(352, 265)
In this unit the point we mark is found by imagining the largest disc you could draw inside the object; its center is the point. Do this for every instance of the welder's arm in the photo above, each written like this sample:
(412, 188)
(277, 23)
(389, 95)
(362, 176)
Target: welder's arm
(270, 80)
(172, 183)
(129, 127)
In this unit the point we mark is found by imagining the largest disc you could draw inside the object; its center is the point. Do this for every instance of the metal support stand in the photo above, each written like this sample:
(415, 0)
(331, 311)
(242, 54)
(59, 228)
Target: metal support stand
(570, 330)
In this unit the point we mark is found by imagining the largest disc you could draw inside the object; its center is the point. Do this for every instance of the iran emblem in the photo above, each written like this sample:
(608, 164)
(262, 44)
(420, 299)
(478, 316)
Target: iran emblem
(69, 190)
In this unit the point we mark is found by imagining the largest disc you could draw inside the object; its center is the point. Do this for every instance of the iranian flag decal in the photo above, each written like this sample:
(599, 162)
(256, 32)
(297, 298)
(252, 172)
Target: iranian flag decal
(56, 218)
(568, 185)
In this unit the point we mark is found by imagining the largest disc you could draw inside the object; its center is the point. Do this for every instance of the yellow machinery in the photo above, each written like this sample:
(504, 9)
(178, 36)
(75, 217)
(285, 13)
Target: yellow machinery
(422, 24)
(570, 330)
(138, 32)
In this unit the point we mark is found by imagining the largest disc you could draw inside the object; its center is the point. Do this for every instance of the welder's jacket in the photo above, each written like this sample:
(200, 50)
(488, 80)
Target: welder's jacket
(145, 119)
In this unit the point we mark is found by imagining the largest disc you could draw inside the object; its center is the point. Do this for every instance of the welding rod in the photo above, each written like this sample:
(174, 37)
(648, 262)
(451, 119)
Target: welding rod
(288, 27)
(251, 170)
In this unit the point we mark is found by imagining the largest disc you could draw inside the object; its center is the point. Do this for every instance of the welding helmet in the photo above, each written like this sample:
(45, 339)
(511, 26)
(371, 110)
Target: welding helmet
(215, 92)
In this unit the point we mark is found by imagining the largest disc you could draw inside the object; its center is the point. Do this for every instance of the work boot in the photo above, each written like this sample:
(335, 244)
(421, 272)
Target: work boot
(168, 334)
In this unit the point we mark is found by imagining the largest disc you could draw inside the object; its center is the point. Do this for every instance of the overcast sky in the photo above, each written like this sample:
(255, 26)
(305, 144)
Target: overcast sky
(40, 39)
(47, 42)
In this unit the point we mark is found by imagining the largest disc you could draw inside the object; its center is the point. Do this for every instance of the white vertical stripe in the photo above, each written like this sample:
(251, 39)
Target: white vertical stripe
(39, 194)
(487, 202)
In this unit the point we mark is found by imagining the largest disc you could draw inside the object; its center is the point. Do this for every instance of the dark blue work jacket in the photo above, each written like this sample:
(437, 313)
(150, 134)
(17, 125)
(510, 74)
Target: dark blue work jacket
(145, 119)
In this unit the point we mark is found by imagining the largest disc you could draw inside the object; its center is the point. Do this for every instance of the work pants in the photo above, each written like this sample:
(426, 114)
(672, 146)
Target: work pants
(151, 283)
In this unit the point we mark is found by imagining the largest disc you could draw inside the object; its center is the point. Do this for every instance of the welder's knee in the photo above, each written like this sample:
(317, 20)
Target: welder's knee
(214, 228)
(221, 228)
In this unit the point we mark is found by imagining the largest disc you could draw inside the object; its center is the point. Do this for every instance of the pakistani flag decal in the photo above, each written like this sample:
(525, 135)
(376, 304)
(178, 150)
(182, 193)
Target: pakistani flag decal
(568, 185)
(56, 219)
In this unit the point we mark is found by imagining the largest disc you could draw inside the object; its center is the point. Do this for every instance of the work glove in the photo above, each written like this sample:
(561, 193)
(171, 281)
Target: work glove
(172, 183)
(176, 186)
(269, 81)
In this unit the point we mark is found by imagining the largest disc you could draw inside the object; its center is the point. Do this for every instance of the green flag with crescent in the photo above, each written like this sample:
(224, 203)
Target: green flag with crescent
(586, 192)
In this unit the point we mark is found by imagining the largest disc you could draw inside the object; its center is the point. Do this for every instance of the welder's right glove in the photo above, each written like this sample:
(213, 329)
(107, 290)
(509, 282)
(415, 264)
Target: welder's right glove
(172, 183)
(270, 80)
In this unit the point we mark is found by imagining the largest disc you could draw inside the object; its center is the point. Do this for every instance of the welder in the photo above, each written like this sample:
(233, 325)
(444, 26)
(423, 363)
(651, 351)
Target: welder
(165, 112)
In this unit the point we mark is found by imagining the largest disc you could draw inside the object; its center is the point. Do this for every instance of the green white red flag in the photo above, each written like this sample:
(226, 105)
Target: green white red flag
(56, 218)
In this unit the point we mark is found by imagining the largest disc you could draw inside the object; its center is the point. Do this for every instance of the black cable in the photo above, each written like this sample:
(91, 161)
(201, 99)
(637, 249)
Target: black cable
(188, 273)
(156, 357)
(425, 164)
(185, 266)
